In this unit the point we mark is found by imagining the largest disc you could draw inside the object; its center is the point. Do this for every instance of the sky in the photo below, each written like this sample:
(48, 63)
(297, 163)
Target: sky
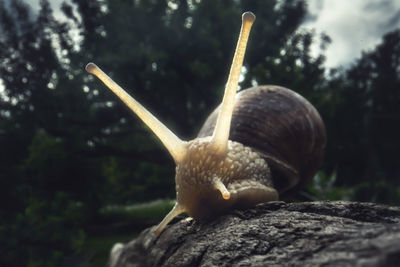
(353, 25)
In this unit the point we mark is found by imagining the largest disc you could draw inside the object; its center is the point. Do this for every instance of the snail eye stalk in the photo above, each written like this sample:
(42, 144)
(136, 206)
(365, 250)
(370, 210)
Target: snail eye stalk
(174, 145)
(221, 132)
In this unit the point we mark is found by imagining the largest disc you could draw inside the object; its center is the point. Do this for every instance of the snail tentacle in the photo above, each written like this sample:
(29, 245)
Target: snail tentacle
(221, 133)
(175, 146)
(176, 210)
(217, 184)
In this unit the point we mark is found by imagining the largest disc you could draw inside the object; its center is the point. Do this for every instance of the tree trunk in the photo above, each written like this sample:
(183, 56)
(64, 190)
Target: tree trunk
(274, 233)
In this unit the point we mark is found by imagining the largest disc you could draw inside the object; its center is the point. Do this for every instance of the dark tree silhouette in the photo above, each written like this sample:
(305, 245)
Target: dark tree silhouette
(375, 80)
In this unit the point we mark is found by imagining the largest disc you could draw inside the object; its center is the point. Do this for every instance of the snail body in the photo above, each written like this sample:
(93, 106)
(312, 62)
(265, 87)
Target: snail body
(243, 177)
(260, 144)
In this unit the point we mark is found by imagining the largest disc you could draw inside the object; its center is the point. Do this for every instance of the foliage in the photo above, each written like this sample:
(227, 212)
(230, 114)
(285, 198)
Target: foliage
(323, 187)
(70, 148)
(361, 113)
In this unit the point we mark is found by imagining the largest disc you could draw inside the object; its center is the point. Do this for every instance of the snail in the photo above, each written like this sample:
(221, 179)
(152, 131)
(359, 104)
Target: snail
(261, 144)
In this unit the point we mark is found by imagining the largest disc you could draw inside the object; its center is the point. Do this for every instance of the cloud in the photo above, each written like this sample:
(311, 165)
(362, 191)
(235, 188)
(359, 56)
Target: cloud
(55, 5)
(354, 26)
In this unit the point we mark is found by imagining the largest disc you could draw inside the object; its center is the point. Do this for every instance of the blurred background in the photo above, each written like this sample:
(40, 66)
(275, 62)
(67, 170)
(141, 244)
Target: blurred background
(79, 172)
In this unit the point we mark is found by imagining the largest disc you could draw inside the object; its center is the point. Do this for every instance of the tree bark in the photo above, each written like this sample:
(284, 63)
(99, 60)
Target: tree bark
(275, 233)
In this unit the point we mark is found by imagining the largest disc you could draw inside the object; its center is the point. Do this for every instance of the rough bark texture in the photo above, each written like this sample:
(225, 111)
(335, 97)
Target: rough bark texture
(275, 233)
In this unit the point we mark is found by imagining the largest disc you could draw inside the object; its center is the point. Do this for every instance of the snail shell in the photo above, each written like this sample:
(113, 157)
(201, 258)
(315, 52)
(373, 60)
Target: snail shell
(283, 127)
